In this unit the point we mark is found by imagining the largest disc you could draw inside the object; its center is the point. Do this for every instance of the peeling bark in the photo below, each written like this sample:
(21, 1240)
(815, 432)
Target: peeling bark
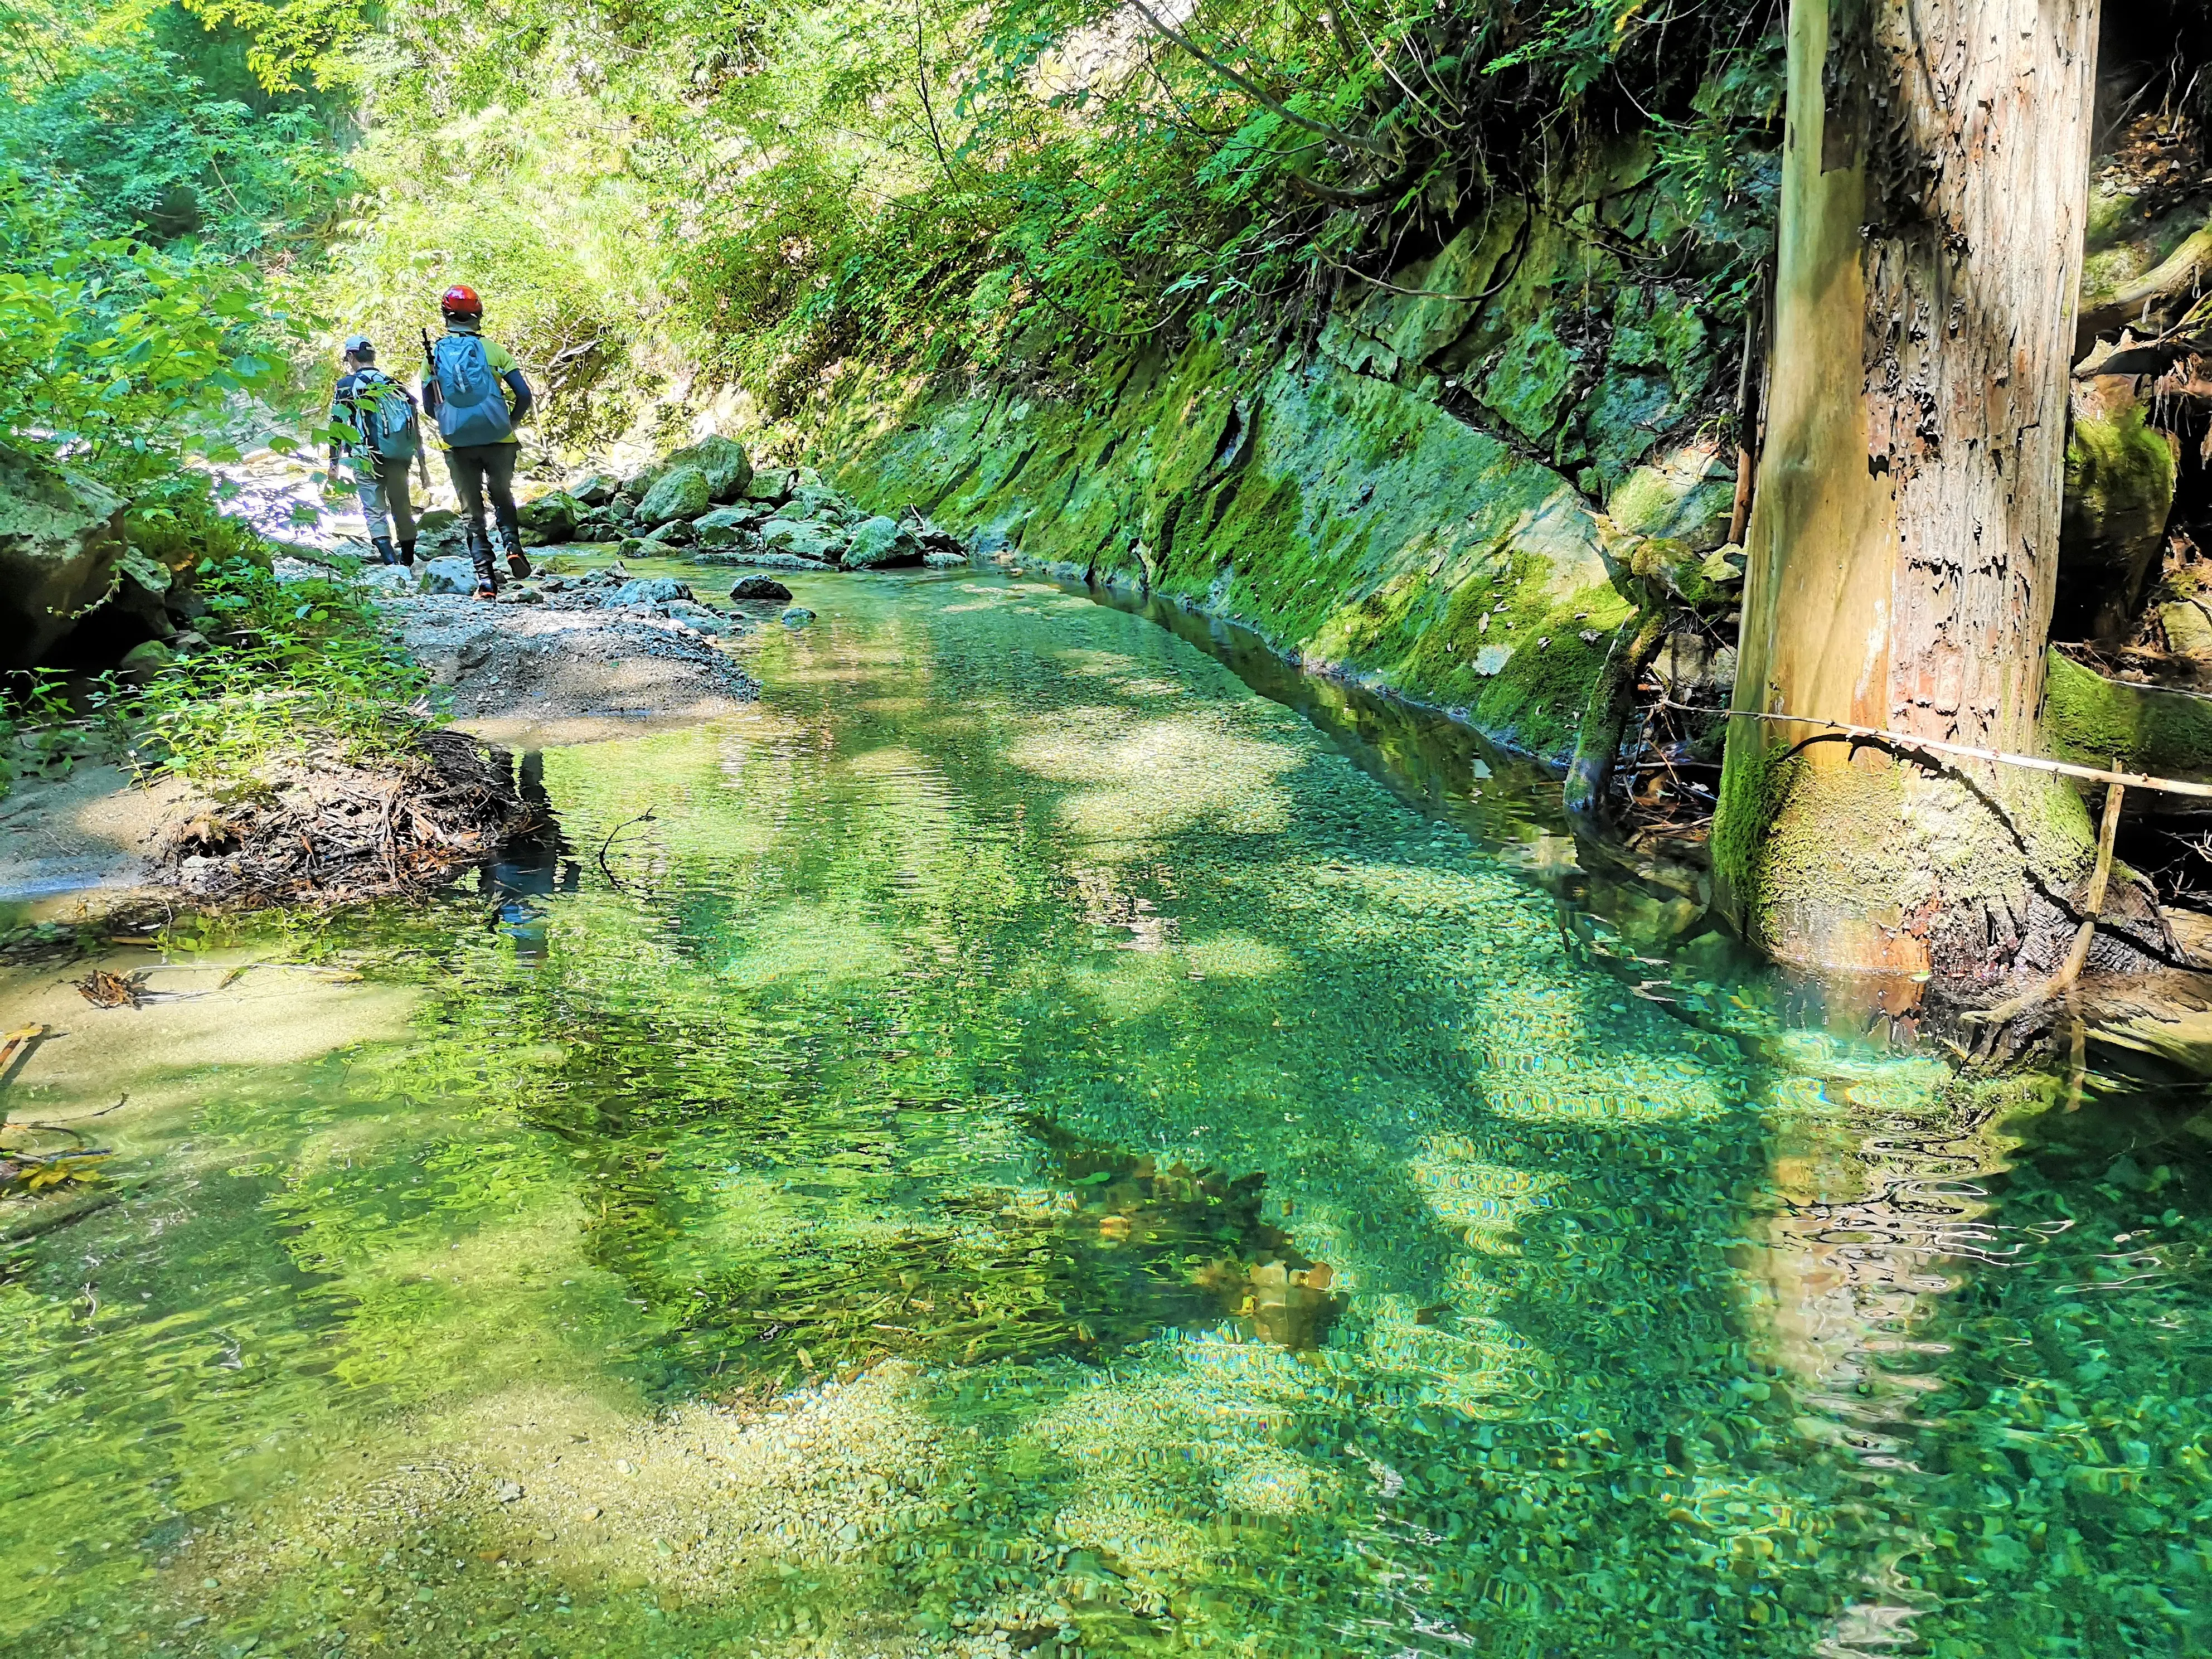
(1903, 539)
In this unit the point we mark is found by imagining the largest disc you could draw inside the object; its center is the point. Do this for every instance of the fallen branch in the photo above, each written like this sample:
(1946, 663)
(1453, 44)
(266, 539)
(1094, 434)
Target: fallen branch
(1905, 740)
(646, 817)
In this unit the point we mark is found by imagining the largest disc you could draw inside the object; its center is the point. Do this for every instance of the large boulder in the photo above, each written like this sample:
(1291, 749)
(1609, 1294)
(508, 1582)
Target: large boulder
(806, 539)
(682, 492)
(770, 486)
(878, 544)
(727, 468)
(726, 525)
(595, 489)
(61, 534)
(549, 518)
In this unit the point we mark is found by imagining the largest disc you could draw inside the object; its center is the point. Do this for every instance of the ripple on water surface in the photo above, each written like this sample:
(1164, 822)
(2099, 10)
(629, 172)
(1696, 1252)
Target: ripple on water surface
(1020, 1142)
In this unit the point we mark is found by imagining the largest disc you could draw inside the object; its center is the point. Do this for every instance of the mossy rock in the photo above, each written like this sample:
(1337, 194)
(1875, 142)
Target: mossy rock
(2095, 722)
(1686, 495)
(682, 492)
(723, 463)
(2120, 475)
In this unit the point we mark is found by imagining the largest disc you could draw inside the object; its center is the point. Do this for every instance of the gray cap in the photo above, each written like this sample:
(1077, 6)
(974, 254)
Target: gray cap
(359, 345)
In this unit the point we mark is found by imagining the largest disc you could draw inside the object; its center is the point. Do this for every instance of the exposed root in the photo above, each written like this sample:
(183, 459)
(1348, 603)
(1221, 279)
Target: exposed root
(321, 829)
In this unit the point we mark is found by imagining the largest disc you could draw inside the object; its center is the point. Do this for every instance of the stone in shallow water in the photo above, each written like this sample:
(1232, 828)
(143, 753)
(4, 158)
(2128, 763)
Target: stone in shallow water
(649, 590)
(878, 544)
(797, 616)
(802, 537)
(681, 493)
(725, 524)
(759, 588)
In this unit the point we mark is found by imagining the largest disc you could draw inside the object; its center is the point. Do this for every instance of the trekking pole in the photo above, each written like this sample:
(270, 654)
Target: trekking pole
(429, 391)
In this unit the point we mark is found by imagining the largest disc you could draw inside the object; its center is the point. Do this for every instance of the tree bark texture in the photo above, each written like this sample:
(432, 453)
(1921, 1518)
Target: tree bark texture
(1903, 541)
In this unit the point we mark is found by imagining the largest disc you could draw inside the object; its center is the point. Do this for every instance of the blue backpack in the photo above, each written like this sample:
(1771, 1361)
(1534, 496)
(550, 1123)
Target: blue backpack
(384, 414)
(471, 404)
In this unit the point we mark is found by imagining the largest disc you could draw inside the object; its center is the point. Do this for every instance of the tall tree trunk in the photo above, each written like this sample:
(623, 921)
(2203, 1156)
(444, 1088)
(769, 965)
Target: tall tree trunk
(1904, 540)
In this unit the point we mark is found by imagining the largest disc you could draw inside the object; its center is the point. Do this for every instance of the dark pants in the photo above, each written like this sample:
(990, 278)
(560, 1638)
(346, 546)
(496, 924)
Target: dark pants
(479, 470)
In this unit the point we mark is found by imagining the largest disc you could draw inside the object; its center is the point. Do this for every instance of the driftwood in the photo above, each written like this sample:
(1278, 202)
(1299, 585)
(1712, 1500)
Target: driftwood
(322, 829)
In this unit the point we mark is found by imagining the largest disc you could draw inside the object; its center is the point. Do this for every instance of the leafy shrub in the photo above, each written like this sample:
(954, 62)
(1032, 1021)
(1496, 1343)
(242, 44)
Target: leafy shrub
(118, 358)
(301, 663)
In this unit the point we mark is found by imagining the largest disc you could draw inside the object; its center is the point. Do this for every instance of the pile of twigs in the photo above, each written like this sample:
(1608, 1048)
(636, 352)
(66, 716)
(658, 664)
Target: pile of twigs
(322, 829)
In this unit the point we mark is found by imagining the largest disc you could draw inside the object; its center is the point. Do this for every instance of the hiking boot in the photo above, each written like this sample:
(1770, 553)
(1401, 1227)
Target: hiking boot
(383, 546)
(517, 565)
(407, 554)
(480, 556)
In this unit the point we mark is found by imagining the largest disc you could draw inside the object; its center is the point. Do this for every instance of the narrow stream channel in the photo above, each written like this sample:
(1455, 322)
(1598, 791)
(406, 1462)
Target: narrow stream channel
(1021, 1143)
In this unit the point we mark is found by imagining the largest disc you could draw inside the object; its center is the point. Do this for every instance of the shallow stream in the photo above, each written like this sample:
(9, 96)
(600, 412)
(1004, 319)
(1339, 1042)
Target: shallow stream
(1020, 1142)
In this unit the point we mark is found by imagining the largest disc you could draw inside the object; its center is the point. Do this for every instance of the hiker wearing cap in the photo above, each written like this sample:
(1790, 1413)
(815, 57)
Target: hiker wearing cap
(386, 438)
(475, 391)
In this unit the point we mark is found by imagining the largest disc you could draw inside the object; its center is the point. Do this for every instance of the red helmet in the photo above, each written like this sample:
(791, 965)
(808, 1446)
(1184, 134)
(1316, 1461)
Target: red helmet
(460, 301)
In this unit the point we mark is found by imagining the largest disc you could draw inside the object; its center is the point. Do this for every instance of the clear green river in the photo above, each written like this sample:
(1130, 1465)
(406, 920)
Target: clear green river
(1035, 1146)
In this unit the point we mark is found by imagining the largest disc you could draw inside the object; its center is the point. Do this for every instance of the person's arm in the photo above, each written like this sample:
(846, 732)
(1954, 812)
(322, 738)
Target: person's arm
(522, 398)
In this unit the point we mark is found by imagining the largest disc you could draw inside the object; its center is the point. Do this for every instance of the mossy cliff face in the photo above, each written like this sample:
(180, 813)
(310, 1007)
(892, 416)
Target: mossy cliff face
(1412, 498)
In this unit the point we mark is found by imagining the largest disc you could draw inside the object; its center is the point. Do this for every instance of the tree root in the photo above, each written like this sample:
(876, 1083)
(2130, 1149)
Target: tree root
(320, 829)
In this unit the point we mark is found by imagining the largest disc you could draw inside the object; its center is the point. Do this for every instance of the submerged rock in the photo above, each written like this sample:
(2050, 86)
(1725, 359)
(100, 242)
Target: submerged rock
(797, 616)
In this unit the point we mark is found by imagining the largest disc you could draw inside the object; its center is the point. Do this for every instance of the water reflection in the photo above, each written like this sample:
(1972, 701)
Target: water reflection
(531, 867)
(1057, 1157)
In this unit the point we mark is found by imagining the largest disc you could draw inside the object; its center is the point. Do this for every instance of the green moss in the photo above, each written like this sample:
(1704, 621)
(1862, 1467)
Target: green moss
(2095, 722)
(1353, 523)
(1528, 388)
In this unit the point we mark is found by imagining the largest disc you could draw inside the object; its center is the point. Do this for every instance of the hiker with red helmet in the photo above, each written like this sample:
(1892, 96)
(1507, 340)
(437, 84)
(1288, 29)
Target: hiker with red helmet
(475, 391)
